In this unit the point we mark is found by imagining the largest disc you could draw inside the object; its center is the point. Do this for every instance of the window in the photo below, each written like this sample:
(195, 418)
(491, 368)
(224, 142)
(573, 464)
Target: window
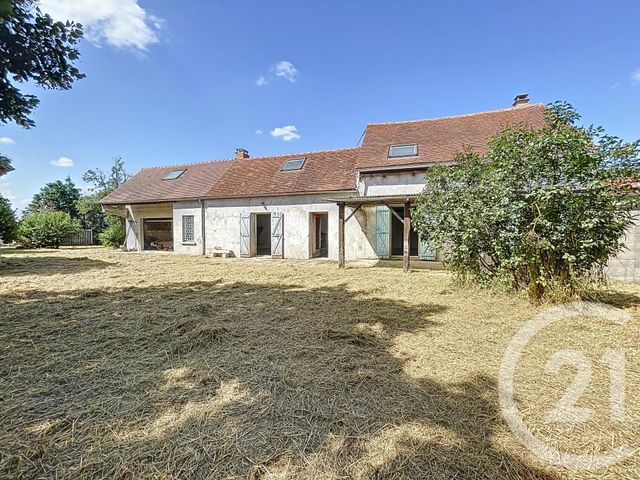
(408, 150)
(174, 174)
(187, 228)
(293, 164)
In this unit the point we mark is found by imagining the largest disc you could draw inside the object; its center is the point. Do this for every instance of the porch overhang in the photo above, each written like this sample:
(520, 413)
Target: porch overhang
(358, 200)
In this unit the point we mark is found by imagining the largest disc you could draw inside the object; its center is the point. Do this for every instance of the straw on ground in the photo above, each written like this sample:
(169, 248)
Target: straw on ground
(119, 365)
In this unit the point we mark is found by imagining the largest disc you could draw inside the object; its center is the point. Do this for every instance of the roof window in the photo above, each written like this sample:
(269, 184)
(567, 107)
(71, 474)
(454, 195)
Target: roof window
(174, 174)
(406, 150)
(293, 164)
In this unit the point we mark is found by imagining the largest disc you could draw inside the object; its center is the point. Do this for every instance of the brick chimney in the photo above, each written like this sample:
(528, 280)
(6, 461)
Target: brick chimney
(520, 100)
(241, 153)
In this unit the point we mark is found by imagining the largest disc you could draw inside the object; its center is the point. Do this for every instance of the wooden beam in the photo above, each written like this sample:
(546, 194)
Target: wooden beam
(341, 220)
(406, 261)
(394, 213)
(352, 213)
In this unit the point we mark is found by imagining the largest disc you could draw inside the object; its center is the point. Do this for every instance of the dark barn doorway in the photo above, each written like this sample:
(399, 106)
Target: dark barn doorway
(158, 234)
(320, 234)
(397, 234)
(263, 234)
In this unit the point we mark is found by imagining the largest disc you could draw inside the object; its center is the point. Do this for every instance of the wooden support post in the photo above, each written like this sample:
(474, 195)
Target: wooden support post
(405, 237)
(341, 261)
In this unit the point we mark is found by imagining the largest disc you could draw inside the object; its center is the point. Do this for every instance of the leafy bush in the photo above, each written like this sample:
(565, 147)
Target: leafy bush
(46, 229)
(543, 210)
(113, 235)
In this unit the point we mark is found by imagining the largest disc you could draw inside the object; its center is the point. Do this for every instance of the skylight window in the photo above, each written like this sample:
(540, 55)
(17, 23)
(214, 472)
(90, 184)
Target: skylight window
(293, 164)
(408, 150)
(174, 174)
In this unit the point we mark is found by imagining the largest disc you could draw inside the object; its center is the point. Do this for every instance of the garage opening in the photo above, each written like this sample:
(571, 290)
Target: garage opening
(397, 230)
(263, 234)
(158, 234)
(320, 234)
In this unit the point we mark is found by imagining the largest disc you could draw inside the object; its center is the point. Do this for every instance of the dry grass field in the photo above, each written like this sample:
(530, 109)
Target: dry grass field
(121, 365)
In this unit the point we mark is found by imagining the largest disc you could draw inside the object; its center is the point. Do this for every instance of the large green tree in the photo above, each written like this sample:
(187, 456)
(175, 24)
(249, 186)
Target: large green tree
(58, 196)
(101, 183)
(34, 49)
(544, 209)
(8, 221)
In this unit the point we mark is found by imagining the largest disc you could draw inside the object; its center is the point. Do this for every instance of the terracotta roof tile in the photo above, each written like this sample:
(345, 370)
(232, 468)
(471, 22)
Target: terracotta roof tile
(323, 171)
(440, 139)
(148, 184)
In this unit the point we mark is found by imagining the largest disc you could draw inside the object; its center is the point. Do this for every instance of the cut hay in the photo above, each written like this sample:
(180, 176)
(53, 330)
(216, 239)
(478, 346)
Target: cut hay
(117, 365)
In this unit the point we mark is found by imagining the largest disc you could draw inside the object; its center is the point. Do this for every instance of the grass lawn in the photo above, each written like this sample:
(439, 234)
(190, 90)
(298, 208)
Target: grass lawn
(117, 365)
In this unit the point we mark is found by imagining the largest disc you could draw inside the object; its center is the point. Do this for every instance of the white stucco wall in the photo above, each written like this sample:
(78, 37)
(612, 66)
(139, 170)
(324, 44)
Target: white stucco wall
(223, 225)
(626, 266)
(137, 213)
(179, 210)
(410, 183)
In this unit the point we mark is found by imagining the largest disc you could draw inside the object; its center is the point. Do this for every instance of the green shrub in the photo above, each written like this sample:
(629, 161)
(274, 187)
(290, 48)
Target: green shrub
(46, 229)
(113, 235)
(542, 210)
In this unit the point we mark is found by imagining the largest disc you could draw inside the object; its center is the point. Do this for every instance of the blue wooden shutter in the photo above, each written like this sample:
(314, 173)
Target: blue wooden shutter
(277, 235)
(245, 234)
(426, 253)
(383, 230)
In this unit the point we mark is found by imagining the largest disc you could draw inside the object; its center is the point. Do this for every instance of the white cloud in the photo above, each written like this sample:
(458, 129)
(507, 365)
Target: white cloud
(635, 77)
(287, 133)
(62, 162)
(286, 70)
(258, 132)
(120, 23)
(282, 69)
(7, 140)
(7, 190)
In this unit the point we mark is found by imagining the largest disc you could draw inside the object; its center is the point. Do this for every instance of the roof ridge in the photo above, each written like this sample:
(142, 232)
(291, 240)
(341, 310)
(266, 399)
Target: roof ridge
(251, 158)
(223, 160)
(301, 153)
(462, 115)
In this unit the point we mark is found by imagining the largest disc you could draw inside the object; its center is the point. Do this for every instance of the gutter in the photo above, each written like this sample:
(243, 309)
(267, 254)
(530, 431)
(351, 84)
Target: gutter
(203, 227)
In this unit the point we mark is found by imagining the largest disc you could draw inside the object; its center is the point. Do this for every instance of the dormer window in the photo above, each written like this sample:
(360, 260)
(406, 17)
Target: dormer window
(174, 174)
(405, 150)
(293, 164)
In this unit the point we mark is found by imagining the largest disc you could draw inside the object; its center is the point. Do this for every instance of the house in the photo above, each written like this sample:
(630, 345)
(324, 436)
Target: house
(343, 204)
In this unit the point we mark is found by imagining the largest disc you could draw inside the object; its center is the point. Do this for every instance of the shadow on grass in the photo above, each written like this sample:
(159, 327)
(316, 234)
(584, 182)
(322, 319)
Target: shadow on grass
(13, 266)
(618, 298)
(414, 264)
(234, 380)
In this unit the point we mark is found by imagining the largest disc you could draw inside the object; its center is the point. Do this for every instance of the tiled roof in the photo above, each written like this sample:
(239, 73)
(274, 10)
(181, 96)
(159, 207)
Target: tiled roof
(440, 139)
(323, 171)
(148, 184)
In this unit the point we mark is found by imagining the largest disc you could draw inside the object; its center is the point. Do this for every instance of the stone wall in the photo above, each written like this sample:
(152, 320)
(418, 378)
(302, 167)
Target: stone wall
(626, 266)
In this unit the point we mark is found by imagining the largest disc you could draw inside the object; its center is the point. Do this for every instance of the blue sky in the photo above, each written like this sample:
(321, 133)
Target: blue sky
(170, 82)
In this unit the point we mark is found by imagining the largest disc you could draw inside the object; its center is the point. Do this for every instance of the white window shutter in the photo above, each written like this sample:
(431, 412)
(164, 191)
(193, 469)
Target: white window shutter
(245, 234)
(277, 235)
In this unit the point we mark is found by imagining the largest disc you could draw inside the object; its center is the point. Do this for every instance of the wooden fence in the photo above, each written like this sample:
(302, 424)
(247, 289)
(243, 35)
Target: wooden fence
(83, 237)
